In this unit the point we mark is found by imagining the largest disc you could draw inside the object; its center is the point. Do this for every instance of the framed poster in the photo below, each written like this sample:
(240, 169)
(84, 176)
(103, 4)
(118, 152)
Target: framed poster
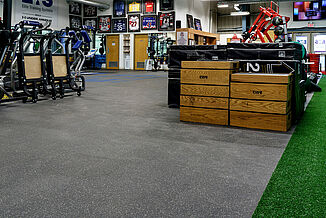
(134, 6)
(197, 24)
(190, 21)
(75, 22)
(119, 25)
(134, 23)
(90, 11)
(166, 5)
(119, 8)
(149, 22)
(90, 22)
(75, 8)
(149, 7)
(166, 21)
(104, 24)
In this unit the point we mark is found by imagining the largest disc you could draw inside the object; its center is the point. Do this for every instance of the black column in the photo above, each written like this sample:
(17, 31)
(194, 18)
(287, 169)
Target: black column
(7, 6)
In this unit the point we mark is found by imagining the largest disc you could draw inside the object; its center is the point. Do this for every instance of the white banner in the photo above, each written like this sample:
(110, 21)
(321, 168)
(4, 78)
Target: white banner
(37, 10)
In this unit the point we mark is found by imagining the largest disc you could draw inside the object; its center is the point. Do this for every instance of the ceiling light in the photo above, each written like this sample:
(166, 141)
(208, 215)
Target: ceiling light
(239, 13)
(236, 7)
(223, 6)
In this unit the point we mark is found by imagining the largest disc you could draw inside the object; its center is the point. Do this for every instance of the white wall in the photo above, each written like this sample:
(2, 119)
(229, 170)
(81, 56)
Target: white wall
(198, 9)
(286, 9)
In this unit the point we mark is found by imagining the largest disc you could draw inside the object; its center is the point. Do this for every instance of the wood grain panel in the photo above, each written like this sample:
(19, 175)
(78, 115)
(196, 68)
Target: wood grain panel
(209, 77)
(203, 115)
(217, 65)
(208, 102)
(260, 121)
(260, 106)
(33, 68)
(202, 90)
(261, 78)
(260, 91)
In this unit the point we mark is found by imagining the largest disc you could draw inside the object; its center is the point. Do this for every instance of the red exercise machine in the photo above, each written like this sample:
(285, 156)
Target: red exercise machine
(267, 18)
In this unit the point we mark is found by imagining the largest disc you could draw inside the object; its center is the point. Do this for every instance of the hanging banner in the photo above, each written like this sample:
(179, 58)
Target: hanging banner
(37, 10)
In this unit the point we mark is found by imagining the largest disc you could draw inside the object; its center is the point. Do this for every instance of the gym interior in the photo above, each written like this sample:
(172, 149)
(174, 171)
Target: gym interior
(162, 108)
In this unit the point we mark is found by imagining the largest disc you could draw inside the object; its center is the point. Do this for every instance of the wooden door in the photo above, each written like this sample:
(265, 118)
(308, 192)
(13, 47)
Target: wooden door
(140, 48)
(112, 52)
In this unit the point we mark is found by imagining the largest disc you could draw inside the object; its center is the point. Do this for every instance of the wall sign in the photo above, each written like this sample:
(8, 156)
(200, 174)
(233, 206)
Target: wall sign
(166, 21)
(134, 6)
(134, 23)
(149, 22)
(75, 8)
(75, 22)
(119, 25)
(119, 8)
(90, 11)
(149, 7)
(320, 43)
(104, 24)
(197, 24)
(190, 21)
(166, 5)
(90, 22)
(36, 10)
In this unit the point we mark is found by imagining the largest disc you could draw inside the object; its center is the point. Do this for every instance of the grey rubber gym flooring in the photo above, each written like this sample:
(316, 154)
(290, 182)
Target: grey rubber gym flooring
(119, 151)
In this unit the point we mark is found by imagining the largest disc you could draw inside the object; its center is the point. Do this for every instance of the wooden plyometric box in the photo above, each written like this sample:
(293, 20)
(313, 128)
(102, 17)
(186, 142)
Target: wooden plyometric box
(203, 90)
(276, 122)
(220, 65)
(274, 107)
(205, 102)
(270, 92)
(261, 101)
(208, 77)
(204, 115)
(261, 78)
(270, 87)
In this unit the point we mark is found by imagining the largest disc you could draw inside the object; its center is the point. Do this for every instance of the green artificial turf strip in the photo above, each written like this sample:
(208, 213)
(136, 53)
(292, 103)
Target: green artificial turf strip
(297, 187)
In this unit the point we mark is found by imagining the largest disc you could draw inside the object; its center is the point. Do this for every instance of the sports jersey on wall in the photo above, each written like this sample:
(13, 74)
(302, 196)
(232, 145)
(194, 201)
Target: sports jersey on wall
(166, 21)
(119, 8)
(149, 7)
(134, 23)
(149, 22)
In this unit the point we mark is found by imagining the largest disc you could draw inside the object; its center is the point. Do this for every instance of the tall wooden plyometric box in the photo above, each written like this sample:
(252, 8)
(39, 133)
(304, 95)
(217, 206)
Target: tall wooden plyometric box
(261, 101)
(204, 96)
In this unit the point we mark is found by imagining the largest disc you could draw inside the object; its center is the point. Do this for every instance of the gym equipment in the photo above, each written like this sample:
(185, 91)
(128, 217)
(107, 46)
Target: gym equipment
(266, 19)
(24, 71)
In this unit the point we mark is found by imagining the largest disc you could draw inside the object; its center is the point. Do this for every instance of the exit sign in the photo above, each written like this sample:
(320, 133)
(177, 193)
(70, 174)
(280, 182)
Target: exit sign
(310, 25)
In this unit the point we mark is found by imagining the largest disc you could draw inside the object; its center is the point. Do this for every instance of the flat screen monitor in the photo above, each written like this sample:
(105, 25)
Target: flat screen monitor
(314, 10)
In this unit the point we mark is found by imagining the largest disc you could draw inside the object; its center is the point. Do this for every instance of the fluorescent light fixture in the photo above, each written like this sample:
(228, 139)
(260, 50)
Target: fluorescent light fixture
(236, 7)
(239, 13)
(223, 6)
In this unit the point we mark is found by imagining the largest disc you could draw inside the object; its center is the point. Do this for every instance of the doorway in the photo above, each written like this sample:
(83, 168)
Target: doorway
(140, 48)
(112, 52)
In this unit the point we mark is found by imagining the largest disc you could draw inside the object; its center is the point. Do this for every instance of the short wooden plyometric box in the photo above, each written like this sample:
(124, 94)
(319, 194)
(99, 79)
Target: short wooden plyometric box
(220, 65)
(204, 115)
(276, 122)
(207, 77)
(33, 69)
(206, 102)
(261, 78)
(275, 107)
(203, 90)
(270, 92)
